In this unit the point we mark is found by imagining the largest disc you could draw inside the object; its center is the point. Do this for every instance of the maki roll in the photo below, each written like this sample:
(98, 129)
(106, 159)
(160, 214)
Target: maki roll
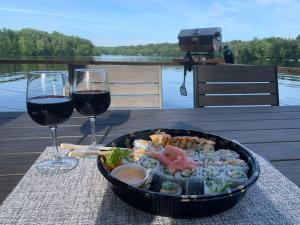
(131, 158)
(220, 165)
(142, 144)
(149, 163)
(226, 154)
(235, 177)
(170, 188)
(194, 185)
(215, 186)
(192, 154)
(164, 173)
(237, 164)
(210, 172)
(182, 176)
(212, 155)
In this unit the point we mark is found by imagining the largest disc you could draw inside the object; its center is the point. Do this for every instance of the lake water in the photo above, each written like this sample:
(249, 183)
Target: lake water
(13, 84)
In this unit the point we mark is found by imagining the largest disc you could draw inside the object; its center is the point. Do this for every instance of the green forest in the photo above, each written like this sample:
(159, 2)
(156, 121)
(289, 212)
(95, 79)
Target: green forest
(31, 42)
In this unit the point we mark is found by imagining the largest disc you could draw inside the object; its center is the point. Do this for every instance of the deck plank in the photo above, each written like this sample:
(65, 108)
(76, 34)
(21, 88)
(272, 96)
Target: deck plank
(272, 132)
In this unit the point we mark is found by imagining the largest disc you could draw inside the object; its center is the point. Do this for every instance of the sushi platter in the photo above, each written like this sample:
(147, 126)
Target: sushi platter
(178, 173)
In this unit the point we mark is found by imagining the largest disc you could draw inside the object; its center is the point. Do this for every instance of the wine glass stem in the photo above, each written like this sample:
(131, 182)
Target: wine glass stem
(54, 143)
(93, 130)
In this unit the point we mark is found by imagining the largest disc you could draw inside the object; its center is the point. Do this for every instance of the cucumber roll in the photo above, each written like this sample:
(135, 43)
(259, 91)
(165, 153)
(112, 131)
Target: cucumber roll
(210, 172)
(235, 177)
(237, 164)
(192, 154)
(170, 188)
(164, 173)
(215, 186)
(149, 163)
(212, 155)
(227, 154)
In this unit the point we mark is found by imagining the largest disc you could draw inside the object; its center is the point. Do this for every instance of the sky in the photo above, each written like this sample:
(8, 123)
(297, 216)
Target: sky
(132, 22)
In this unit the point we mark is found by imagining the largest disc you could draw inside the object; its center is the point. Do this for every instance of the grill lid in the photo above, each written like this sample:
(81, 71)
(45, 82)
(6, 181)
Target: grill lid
(200, 40)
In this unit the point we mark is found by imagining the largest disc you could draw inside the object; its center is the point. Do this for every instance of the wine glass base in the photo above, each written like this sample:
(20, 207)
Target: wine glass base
(59, 166)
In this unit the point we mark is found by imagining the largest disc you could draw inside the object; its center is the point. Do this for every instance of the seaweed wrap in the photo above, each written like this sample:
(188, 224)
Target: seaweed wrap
(227, 154)
(182, 176)
(194, 185)
(235, 177)
(154, 183)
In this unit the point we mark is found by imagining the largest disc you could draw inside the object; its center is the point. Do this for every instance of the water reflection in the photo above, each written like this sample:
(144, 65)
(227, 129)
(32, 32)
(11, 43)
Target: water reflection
(13, 86)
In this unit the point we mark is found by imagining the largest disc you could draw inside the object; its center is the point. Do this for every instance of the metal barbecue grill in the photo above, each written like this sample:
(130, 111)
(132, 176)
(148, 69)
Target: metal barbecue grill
(203, 41)
(198, 43)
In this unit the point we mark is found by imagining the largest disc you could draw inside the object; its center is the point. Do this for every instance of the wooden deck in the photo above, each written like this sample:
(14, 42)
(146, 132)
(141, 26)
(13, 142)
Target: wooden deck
(272, 132)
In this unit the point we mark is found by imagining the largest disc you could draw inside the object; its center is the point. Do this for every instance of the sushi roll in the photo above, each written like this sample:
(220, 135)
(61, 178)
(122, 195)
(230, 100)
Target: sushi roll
(194, 185)
(235, 177)
(212, 155)
(161, 139)
(164, 173)
(170, 188)
(220, 165)
(215, 186)
(149, 163)
(203, 144)
(227, 154)
(132, 158)
(192, 154)
(237, 164)
(154, 183)
(182, 176)
(210, 172)
(142, 144)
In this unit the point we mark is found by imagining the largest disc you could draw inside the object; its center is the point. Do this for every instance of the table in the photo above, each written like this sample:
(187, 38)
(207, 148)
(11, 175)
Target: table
(266, 130)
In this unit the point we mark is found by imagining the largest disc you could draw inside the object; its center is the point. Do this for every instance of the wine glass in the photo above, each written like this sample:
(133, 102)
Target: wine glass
(91, 95)
(49, 103)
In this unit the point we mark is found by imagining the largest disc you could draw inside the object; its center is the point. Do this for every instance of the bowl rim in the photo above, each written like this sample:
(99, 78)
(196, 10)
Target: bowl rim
(185, 198)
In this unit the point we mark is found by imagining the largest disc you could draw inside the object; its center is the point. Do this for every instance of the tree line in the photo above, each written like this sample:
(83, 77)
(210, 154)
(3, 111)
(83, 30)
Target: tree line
(31, 42)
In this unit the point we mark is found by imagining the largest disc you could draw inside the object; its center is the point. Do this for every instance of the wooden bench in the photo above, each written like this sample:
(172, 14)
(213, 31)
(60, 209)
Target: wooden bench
(132, 86)
(235, 85)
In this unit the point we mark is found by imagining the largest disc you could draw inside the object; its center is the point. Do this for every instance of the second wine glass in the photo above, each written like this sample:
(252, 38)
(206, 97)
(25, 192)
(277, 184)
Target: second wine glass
(91, 95)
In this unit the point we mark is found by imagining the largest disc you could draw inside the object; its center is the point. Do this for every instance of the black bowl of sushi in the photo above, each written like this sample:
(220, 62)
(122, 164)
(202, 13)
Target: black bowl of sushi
(181, 206)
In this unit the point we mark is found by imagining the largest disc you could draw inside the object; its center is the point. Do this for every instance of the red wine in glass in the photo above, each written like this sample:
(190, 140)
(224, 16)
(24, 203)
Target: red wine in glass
(49, 104)
(91, 103)
(91, 95)
(50, 110)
